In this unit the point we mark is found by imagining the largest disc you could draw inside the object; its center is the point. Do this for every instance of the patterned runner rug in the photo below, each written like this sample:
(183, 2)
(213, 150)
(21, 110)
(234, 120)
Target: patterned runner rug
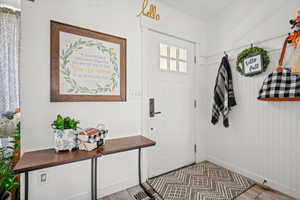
(203, 181)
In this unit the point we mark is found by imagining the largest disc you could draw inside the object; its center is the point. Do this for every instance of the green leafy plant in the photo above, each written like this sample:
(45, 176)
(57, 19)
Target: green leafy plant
(251, 51)
(8, 180)
(17, 137)
(63, 123)
(15, 144)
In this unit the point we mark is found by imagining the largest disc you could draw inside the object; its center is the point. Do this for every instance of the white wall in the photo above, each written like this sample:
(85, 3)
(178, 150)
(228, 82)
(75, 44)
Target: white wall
(14, 4)
(115, 17)
(269, 149)
(263, 139)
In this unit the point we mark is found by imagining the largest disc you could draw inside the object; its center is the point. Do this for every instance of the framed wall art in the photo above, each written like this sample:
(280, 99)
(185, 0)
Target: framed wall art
(253, 64)
(86, 65)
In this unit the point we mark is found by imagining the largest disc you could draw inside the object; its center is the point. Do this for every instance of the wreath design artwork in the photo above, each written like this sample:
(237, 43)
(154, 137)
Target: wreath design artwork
(252, 51)
(74, 86)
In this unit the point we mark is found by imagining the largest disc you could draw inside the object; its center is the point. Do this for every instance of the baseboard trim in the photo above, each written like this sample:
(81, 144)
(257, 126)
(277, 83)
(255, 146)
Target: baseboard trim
(108, 190)
(256, 177)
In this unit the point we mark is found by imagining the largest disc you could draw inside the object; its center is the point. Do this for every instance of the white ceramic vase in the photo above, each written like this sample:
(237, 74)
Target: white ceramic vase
(65, 139)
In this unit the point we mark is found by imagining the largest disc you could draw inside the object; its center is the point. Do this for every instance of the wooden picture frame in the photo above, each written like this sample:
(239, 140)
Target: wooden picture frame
(86, 65)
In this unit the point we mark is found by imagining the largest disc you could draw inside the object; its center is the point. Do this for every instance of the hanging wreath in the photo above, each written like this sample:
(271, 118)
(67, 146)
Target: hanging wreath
(248, 54)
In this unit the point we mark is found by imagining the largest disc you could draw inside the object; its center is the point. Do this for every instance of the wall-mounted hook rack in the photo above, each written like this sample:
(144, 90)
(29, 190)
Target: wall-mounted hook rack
(225, 54)
(247, 45)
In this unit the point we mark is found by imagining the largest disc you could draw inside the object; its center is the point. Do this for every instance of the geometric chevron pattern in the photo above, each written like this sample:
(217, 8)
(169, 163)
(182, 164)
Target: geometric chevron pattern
(203, 181)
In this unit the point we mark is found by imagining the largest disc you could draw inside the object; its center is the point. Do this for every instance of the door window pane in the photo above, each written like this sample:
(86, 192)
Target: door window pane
(164, 50)
(183, 54)
(182, 67)
(173, 52)
(163, 63)
(173, 65)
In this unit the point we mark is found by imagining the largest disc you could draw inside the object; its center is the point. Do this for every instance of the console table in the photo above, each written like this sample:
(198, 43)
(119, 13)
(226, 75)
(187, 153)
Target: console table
(41, 159)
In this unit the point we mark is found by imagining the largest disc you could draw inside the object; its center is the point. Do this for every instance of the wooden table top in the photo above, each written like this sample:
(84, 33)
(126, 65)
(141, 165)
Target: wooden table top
(49, 158)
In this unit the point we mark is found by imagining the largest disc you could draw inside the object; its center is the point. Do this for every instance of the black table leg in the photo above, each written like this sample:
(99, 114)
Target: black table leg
(94, 179)
(26, 185)
(140, 179)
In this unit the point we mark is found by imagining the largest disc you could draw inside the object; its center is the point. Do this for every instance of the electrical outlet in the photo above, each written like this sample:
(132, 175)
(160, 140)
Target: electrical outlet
(43, 178)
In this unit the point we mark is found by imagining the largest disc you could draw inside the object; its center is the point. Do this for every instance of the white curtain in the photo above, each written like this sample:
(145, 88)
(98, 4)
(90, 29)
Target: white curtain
(9, 59)
(9, 62)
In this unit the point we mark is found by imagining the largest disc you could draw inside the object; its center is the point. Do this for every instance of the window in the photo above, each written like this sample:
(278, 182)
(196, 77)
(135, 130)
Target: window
(9, 59)
(173, 59)
(9, 65)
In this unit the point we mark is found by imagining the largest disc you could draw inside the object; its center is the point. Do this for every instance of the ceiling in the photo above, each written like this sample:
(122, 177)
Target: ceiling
(202, 9)
(12, 3)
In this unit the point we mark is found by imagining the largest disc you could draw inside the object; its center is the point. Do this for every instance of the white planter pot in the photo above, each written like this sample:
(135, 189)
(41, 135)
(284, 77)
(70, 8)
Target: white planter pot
(65, 140)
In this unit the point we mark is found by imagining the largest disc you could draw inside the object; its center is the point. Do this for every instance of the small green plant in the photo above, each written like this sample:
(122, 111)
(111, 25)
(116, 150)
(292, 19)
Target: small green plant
(63, 123)
(8, 156)
(8, 180)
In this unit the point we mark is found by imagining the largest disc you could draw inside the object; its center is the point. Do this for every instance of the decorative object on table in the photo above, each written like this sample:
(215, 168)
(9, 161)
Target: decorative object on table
(86, 65)
(92, 138)
(283, 84)
(151, 13)
(65, 133)
(224, 98)
(252, 61)
(294, 39)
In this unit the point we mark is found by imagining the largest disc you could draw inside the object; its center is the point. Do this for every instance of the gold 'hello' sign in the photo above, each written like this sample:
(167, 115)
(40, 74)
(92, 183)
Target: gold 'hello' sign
(151, 11)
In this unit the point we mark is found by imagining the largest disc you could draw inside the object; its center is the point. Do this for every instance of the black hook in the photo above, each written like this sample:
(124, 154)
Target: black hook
(225, 54)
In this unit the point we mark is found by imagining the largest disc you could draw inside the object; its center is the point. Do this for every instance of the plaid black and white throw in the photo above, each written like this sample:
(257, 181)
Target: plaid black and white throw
(224, 98)
(283, 84)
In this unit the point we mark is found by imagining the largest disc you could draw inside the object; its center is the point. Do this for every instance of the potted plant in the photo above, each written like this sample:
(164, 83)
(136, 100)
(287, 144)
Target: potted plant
(65, 133)
(10, 130)
(8, 180)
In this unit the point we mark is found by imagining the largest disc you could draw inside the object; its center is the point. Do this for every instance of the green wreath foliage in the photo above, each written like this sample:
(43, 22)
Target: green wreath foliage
(251, 51)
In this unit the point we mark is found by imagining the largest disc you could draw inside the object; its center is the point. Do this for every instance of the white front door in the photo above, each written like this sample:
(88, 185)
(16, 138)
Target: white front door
(169, 65)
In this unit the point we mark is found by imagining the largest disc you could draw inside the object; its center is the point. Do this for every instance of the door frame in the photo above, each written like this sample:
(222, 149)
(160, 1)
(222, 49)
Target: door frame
(145, 92)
